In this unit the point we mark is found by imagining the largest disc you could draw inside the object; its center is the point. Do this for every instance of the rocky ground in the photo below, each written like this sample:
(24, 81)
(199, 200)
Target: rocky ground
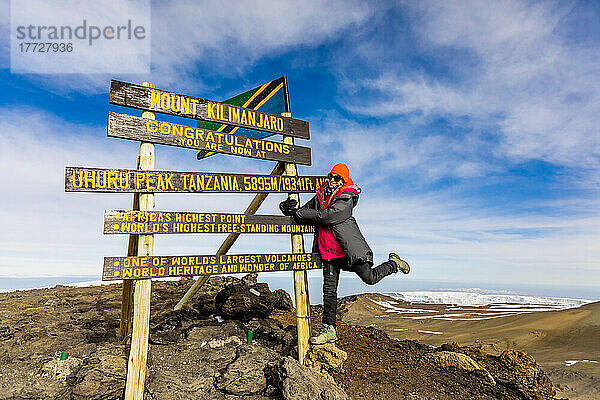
(552, 336)
(202, 352)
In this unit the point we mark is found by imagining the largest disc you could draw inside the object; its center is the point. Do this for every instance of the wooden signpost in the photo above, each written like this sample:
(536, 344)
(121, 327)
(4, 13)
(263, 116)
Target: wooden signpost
(142, 223)
(145, 98)
(136, 363)
(164, 222)
(167, 133)
(300, 277)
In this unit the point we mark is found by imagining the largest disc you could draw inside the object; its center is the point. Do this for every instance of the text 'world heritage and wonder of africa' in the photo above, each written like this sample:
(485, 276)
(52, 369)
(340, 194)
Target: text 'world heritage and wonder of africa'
(116, 268)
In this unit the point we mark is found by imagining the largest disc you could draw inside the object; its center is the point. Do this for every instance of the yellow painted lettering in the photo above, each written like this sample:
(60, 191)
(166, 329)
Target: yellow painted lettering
(173, 108)
(151, 126)
(80, 179)
(88, 179)
(139, 177)
(154, 99)
(194, 102)
(211, 111)
(234, 115)
(178, 129)
(185, 105)
(165, 101)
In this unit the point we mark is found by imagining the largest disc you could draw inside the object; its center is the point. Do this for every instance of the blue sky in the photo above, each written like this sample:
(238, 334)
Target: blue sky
(472, 128)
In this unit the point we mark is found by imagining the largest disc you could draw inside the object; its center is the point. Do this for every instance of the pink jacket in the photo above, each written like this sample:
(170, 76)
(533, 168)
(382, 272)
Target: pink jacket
(329, 247)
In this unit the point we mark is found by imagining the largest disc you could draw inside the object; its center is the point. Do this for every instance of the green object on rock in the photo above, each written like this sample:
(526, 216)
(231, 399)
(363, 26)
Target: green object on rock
(64, 355)
(250, 337)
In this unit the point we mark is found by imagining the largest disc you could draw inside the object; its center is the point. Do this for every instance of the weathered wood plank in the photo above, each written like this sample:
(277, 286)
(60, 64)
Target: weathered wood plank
(163, 222)
(84, 179)
(116, 268)
(136, 96)
(149, 130)
(138, 353)
(300, 277)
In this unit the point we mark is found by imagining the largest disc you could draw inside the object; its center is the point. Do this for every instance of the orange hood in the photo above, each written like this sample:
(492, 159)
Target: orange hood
(343, 171)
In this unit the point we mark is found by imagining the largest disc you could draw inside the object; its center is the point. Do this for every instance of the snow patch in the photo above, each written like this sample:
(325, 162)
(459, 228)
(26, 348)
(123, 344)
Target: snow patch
(569, 363)
(484, 299)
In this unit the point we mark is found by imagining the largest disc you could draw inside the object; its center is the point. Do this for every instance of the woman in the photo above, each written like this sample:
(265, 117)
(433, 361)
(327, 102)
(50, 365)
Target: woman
(339, 242)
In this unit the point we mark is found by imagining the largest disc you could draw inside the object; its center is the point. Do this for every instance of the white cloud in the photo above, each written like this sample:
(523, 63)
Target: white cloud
(380, 153)
(104, 37)
(190, 39)
(229, 38)
(445, 239)
(49, 232)
(512, 70)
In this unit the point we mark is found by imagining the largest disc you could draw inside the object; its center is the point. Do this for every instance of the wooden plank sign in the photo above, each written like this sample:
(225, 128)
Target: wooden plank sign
(161, 222)
(152, 131)
(144, 98)
(84, 179)
(117, 268)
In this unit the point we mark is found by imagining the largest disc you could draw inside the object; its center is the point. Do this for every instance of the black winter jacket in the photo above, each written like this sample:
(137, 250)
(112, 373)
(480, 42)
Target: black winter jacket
(338, 216)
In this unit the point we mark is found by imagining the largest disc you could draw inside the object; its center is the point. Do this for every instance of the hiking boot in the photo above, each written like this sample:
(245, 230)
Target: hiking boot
(327, 335)
(399, 264)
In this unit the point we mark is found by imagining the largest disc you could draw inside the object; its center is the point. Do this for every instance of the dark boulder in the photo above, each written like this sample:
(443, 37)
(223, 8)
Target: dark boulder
(250, 279)
(246, 374)
(282, 300)
(205, 298)
(6, 333)
(271, 333)
(244, 302)
(298, 382)
(171, 325)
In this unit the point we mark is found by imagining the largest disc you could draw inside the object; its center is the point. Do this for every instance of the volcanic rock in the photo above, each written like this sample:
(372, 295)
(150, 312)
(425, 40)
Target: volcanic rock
(270, 332)
(282, 300)
(245, 302)
(445, 359)
(298, 382)
(325, 358)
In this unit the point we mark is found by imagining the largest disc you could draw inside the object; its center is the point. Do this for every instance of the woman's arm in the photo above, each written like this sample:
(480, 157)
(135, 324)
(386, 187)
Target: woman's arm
(338, 211)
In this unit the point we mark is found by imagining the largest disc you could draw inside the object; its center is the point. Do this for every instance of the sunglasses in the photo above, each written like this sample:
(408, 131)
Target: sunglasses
(334, 177)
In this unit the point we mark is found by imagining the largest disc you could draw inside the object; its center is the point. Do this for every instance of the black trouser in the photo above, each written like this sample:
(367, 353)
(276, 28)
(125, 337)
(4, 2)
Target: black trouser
(331, 277)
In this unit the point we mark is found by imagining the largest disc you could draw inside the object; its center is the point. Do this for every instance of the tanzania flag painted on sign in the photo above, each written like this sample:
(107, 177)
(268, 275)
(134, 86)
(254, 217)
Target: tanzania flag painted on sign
(272, 97)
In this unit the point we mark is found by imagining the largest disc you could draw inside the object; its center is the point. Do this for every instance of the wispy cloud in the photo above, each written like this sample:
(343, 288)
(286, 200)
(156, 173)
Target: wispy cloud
(195, 41)
(445, 239)
(511, 68)
(49, 232)
(226, 40)
(390, 151)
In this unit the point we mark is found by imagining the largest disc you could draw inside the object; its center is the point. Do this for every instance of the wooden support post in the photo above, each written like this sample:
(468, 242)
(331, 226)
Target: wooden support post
(127, 293)
(300, 277)
(228, 242)
(136, 366)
